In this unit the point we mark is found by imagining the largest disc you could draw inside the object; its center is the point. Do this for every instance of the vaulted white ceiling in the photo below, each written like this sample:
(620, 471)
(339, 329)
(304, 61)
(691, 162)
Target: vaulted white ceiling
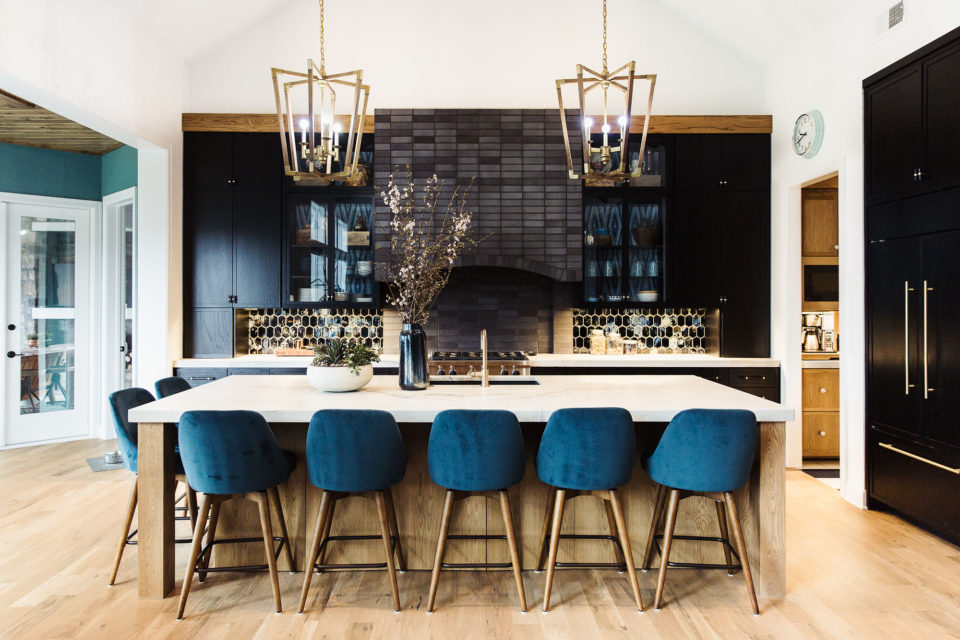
(762, 31)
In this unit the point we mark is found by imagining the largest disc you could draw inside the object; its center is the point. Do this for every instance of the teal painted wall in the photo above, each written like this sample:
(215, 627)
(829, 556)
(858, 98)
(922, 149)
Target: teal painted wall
(118, 170)
(44, 172)
(63, 174)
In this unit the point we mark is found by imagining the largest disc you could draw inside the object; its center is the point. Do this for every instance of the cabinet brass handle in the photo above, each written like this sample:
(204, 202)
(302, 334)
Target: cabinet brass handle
(202, 378)
(821, 433)
(823, 389)
(926, 386)
(916, 457)
(906, 338)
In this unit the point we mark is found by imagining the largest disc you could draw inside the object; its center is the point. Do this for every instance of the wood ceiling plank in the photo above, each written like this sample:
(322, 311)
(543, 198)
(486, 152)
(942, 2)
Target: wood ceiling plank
(26, 124)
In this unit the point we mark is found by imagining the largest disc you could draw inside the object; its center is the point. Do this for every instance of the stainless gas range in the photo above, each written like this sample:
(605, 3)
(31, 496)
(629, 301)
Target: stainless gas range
(499, 363)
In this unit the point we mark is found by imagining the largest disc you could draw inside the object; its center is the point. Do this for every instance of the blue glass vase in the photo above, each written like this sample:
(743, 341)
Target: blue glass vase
(413, 358)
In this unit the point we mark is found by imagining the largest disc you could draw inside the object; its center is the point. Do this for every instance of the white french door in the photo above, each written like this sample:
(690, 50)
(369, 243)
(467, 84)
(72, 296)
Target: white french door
(47, 311)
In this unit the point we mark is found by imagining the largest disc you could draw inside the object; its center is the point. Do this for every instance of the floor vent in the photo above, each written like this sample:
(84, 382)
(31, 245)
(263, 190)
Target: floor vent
(895, 15)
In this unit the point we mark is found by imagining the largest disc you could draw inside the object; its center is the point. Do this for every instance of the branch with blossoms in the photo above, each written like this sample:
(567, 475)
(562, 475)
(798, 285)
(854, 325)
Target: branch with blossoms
(424, 243)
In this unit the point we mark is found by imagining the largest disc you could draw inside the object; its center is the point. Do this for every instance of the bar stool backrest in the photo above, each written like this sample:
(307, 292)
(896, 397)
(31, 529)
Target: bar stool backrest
(354, 451)
(171, 386)
(472, 450)
(587, 449)
(227, 452)
(120, 403)
(706, 450)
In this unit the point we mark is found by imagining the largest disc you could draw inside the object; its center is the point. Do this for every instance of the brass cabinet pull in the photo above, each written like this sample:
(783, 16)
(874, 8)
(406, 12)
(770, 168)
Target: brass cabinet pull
(926, 386)
(916, 457)
(906, 338)
(823, 389)
(821, 433)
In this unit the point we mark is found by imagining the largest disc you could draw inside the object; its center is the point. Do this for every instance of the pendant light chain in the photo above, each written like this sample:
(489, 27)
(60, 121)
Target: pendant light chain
(604, 36)
(323, 69)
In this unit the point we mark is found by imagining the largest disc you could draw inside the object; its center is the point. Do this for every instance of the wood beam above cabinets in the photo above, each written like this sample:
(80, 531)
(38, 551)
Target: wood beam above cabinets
(267, 122)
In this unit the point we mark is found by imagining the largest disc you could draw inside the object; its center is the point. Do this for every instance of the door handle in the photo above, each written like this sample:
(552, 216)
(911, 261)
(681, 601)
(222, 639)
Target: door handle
(906, 338)
(921, 459)
(13, 354)
(926, 385)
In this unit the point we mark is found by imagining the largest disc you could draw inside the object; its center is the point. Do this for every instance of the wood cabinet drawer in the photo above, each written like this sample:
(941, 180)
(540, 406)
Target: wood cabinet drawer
(821, 434)
(821, 389)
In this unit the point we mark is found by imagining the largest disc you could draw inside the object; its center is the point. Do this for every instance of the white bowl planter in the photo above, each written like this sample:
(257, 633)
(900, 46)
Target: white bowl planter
(339, 378)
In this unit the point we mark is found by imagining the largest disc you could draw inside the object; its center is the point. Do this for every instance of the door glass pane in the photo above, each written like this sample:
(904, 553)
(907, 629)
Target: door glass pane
(126, 216)
(354, 250)
(646, 261)
(308, 253)
(47, 314)
(603, 249)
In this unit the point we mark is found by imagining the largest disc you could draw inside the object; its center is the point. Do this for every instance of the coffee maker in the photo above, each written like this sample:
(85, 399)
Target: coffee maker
(810, 332)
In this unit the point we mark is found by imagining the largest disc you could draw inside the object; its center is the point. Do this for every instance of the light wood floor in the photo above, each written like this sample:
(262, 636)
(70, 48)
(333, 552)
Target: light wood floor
(851, 574)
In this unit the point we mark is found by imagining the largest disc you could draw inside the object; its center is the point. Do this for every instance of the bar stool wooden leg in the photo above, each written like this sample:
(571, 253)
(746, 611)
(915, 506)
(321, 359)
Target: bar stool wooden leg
(274, 497)
(194, 552)
(542, 547)
(441, 542)
(264, 504)
(388, 547)
(314, 548)
(395, 528)
(512, 543)
(722, 519)
(625, 541)
(554, 545)
(211, 536)
(658, 505)
(327, 523)
(673, 504)
(612, 525)
(125, 531)
(734, 522)
(191, 499)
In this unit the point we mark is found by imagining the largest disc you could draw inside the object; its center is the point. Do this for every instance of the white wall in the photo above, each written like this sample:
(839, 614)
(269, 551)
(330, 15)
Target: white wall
(498, 53)
(85, 61)
(827, 74)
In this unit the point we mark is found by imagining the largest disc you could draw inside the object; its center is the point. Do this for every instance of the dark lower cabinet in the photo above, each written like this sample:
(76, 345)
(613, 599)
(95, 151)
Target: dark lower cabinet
(208, 333)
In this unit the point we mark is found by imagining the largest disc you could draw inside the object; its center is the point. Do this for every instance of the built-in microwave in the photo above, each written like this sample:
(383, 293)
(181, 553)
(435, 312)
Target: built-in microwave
(821, 284)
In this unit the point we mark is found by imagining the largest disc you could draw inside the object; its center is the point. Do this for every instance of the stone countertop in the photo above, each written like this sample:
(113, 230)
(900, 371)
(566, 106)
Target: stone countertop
(279, 398)
(540, 360)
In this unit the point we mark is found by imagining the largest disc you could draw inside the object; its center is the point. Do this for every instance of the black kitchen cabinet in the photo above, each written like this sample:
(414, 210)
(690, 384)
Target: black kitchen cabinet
(698, 253)
(208, 333)
(744, 332)
(894, 115)
(746, 248)
(246, 161)
(912, 229)
(910, 123)
(894, 314)
(327, 260)
(232, 213)
(730, 162)
(208, 248)
(256, 228)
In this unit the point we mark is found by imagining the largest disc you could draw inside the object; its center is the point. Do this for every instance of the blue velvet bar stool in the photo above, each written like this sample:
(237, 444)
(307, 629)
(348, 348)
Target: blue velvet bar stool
(171, 386)
(120, 404)
(703, 452)
(349, 453)
(476, 453)
(227, 454)
(587, 452)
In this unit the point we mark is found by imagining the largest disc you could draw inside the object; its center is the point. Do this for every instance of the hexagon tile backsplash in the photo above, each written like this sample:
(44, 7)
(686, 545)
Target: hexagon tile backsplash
(269, 329)
(655, 330)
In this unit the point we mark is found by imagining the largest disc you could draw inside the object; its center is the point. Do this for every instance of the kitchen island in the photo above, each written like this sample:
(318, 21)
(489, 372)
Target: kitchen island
(288, 402)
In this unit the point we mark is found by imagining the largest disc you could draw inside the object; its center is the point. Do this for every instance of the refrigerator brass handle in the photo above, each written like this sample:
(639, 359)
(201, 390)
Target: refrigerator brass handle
(921, 459)
(906, 337)
(926, 386)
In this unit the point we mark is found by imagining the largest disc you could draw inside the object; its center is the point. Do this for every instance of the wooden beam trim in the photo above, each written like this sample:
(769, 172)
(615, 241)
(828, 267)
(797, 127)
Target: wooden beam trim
(267, 123)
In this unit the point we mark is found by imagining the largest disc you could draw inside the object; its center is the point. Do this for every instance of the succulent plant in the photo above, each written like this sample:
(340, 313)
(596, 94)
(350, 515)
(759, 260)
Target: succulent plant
(340, 352)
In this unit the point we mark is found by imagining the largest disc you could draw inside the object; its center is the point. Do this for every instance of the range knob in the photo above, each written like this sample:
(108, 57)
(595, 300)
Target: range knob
(515, 371)
(453, 371)
(440, 371)
(503, 371)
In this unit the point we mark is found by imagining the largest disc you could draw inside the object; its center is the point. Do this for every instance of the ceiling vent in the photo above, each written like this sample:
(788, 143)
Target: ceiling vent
(895, 15)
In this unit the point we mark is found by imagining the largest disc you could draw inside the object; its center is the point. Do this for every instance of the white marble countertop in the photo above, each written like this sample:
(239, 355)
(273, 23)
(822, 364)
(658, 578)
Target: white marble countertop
(291, 399)
(389, 361)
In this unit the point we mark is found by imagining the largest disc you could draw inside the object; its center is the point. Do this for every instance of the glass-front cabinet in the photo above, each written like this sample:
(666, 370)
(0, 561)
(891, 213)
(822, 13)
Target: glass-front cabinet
(624, 252)
(329, 248)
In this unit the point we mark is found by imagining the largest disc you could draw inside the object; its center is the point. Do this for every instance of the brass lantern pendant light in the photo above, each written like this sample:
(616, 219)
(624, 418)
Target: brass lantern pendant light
(318, 155)
(605, 141)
